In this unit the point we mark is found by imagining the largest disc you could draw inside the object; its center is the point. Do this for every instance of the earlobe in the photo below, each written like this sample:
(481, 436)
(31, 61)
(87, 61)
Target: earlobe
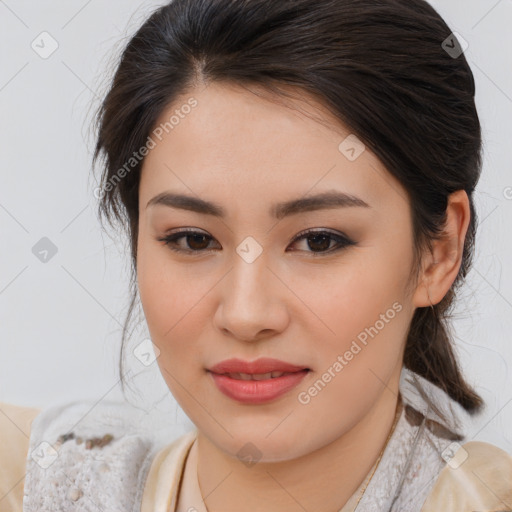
(442, 264)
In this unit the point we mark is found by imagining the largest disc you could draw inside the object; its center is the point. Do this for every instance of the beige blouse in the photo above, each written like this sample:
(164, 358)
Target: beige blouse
(483, 482)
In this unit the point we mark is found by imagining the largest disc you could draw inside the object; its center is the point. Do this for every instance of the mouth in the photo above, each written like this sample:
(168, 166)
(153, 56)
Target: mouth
(256, 382)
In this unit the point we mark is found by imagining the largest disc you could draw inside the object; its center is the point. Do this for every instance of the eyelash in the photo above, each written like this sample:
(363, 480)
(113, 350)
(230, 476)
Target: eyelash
(343, 241)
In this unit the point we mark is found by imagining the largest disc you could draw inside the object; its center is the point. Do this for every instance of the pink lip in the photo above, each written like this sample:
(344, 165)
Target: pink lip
(256, 391)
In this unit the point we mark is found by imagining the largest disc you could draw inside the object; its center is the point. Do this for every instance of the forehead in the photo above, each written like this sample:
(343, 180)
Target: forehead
(233, 139)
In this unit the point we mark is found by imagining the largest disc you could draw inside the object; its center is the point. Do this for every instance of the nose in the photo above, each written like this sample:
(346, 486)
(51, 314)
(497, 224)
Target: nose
(252, 303)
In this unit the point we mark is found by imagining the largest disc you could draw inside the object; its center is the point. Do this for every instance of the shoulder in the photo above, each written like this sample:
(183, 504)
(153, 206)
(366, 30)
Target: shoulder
(477, 477)
(15, 423)
(66, 439)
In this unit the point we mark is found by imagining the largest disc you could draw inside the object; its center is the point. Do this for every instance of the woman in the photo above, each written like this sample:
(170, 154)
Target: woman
(296, 179)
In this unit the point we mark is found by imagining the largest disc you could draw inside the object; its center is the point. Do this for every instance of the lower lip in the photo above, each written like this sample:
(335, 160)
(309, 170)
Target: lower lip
(257, 391)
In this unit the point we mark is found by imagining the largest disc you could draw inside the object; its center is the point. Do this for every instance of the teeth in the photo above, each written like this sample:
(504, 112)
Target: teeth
(256, 376)
(261, 376)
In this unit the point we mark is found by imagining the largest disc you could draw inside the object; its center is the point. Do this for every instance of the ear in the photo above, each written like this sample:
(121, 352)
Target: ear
(441, 265)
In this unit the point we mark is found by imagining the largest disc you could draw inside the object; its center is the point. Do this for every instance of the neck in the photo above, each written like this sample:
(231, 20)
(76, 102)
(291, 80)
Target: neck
(316, 482)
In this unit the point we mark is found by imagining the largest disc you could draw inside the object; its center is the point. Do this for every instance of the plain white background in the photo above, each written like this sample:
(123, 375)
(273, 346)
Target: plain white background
(60, 321)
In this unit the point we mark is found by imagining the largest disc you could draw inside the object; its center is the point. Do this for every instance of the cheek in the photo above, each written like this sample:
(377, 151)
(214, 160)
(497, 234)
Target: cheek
(173, 322)
(352, 297)
(175, 308)
(361, 307)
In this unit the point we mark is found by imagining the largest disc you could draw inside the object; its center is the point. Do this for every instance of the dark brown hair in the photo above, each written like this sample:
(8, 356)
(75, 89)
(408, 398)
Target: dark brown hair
(382, 67)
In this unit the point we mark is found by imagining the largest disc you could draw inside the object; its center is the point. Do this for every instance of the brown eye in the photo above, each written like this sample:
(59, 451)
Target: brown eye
(319, 242)
(195, 241)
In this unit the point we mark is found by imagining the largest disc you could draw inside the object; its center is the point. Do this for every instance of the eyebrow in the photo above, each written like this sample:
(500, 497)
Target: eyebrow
(326, 200)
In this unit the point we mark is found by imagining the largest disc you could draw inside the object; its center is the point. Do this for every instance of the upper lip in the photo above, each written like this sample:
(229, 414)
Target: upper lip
(259, 366)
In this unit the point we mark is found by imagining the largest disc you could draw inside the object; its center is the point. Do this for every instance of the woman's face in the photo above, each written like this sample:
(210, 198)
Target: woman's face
(334, 301)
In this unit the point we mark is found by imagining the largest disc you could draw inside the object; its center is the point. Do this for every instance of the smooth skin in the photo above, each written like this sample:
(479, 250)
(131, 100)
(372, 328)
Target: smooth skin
(301, 302)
